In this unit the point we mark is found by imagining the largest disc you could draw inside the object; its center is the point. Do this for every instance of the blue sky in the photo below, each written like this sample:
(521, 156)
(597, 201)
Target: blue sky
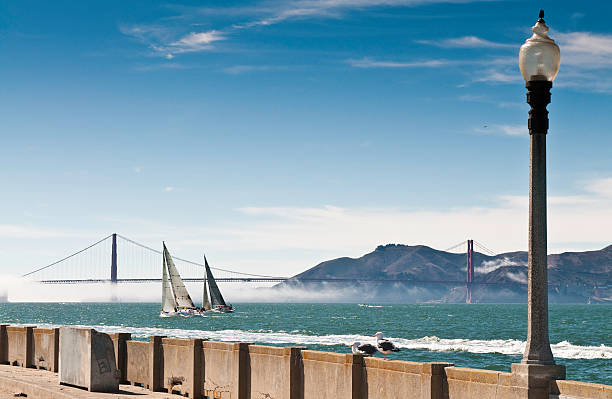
(277, 134)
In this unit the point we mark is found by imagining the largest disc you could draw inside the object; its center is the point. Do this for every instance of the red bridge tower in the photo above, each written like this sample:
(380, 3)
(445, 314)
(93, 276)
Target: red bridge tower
(470, 271)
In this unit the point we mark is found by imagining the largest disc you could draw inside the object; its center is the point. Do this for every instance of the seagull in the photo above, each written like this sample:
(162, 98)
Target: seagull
(363, 349)
(384, 346)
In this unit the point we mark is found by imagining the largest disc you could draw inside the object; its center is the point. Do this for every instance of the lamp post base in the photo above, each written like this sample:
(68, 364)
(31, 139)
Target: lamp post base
(535, 379)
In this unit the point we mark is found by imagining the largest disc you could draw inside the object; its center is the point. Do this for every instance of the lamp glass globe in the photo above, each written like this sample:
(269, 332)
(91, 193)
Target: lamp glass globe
(539, 57)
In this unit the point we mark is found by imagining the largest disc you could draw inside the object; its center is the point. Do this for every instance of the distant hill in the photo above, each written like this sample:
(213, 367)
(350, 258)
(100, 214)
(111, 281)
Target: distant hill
(573, 276)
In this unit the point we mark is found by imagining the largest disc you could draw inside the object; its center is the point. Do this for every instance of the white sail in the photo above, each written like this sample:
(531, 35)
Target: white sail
(181, 296)
(168, 303)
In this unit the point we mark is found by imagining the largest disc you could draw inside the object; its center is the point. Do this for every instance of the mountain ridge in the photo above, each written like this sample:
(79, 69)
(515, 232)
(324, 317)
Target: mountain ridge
(579, 275)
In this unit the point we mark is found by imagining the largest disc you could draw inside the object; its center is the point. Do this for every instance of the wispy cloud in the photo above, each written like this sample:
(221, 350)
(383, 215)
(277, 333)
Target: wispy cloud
(520, 277)
(240, 69)
(165, 42)
(502, 129)
(371, 63)
(584, 55)
(496, 76)
(35, 232)
(162, 66)
(169, 189)
(585, 49)
(196, 41)
(300, 9)
(466, 42)
(572, 219)
(586, 61)
(488, 266)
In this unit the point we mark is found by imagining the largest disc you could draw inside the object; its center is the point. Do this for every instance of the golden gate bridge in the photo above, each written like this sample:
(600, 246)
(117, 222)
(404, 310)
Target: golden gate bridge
(141, 264)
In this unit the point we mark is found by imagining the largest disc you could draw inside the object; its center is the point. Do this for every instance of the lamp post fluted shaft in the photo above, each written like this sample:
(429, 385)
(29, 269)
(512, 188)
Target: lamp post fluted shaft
(537, 350)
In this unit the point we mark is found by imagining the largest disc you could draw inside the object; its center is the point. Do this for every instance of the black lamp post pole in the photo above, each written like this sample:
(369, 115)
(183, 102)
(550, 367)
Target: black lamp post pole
(537, 350)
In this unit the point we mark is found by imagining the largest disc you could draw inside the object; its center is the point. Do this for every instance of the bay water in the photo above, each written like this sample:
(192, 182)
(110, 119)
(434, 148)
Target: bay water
(479, 335)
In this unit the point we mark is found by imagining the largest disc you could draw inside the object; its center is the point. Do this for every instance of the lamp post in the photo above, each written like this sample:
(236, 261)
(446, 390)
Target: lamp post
(539, 60)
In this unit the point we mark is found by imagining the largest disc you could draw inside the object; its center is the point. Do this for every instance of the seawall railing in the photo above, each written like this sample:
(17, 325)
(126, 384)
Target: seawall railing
(197, 368)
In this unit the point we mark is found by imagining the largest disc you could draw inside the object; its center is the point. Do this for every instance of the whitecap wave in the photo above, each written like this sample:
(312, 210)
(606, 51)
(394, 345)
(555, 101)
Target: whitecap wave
(512, 347)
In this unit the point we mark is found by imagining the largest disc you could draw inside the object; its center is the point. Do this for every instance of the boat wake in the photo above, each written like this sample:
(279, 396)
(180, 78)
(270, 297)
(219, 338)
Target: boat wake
(563, 349)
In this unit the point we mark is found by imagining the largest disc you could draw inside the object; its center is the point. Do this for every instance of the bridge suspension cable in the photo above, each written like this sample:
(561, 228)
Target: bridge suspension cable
(455, 246)
(484, 249)
(68, 257)
(191, 262)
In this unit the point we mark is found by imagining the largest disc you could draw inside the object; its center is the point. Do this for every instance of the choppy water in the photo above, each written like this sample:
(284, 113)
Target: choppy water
(481, 336)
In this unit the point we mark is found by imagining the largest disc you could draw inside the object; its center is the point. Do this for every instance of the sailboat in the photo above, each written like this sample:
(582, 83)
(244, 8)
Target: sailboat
(217, 303)
(205, 302)
(175, 298)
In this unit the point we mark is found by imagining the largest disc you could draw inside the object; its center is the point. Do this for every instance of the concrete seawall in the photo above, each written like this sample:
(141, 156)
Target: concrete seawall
(202, 369)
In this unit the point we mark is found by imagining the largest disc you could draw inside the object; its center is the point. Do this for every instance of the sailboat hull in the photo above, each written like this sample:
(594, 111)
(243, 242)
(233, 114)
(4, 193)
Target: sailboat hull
(189, 312)
(223, 309)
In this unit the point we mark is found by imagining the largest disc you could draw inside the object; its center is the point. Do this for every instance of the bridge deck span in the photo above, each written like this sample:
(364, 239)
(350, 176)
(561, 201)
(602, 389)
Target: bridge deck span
(271, 280)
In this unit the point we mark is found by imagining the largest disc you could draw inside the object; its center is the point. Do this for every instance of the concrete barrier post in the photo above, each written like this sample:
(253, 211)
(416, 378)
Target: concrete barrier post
(197, 368)
(46, 348)
(20, 345)
(156, 363)
(243, 370)
(87, 360)
(433, 380)
(3, 344)
(358, 390)
(120, 345)
(296, 373)
(29, 347)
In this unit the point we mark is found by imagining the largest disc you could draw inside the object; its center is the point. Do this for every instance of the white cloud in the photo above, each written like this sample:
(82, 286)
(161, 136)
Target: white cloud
(503, 129)
(162, 66)
(601, 187)
(35, 232)
(586, 61)
(285, 240)
(240, 69)
(197, 41)
(498, 76)
(159, 38)
(585, 49)
(520, 277)
(504, 226)
(492, 265)
(488, 70)
(168, 189)
(299, 9)
(370, 63)
(162, 40)
(466, 42)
